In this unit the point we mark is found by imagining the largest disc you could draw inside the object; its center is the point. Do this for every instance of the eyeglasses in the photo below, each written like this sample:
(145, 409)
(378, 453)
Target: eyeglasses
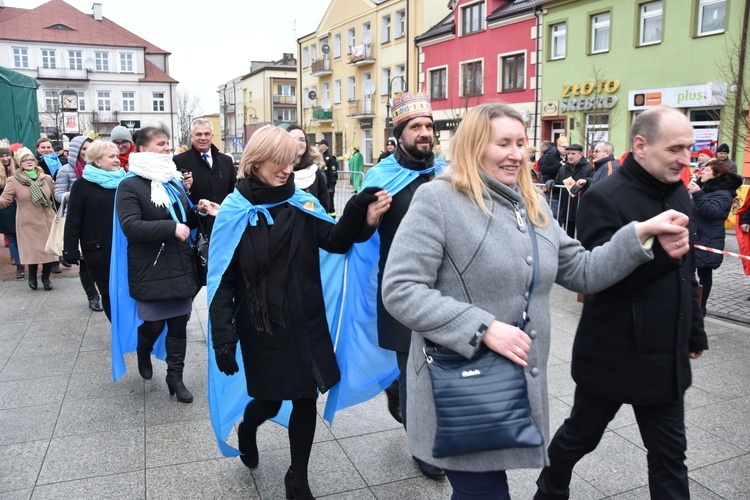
(28, 160)
(120, 143)
(301, 139)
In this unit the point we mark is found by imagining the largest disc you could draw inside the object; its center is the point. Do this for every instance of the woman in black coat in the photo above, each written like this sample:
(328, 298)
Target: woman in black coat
(308, 176)
(712, 201)
(272, 285)
(153, 212)
(91, 206)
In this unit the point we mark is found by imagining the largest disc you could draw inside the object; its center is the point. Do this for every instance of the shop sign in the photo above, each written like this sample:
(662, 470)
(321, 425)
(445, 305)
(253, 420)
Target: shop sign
(366, 123)
(690, 96)
(588, 103)
(550, 108)
(447, 124)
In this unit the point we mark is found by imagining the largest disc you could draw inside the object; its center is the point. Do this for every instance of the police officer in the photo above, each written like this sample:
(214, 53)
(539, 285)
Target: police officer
(332, 173)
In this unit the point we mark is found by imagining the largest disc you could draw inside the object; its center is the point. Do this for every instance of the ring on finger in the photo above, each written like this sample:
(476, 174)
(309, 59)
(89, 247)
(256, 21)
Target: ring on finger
(519, 350)
(677, 243)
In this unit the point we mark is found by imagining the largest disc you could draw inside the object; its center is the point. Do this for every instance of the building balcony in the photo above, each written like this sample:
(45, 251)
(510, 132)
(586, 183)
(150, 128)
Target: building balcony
(62, 74)
(104, 117)
(362, 108)
(321, 115)
(361, 55)
(321, 67)
(285, 99)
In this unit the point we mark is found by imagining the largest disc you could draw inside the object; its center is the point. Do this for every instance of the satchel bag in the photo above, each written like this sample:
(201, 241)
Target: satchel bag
(482, 403)
(56, 238)
(200, 253)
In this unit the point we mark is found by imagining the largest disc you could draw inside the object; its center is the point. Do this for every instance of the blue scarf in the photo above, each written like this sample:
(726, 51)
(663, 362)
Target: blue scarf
(125, 320)
(105, 178)
(53, 163)
(366, 368)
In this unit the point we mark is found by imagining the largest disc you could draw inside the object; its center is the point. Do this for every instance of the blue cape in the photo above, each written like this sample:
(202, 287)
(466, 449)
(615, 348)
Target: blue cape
(125, 320)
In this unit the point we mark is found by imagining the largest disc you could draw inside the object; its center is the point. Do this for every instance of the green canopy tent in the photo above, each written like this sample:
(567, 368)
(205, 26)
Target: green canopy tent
(19, 112)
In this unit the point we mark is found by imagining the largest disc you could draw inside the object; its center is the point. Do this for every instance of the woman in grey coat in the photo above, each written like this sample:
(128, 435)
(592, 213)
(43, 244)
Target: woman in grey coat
(465, 266)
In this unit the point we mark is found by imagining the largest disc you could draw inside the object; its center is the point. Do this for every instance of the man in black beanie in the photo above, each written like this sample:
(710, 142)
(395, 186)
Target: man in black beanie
(722, 153)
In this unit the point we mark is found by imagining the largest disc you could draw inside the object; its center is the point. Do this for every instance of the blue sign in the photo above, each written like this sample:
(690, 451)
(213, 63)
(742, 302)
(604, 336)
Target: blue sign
(234, 142)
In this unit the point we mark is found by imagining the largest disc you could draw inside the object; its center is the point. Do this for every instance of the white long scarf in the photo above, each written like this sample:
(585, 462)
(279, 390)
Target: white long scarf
(158, 168)
(304, 177)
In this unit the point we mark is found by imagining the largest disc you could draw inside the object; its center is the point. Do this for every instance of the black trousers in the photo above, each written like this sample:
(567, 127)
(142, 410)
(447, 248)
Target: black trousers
(662, 428)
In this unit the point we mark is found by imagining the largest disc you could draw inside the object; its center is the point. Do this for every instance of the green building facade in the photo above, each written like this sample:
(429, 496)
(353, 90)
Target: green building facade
(604, 61)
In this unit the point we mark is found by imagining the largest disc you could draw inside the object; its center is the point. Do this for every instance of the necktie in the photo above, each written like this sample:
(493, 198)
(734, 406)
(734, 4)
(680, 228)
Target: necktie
(205, 158)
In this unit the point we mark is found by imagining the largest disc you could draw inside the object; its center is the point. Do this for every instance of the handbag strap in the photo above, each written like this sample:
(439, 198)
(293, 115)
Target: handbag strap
(535, 270)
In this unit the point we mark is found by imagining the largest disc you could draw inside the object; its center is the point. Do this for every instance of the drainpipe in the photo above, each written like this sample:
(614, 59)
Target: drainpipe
(740, 81)
(537, 97)
(408, 47)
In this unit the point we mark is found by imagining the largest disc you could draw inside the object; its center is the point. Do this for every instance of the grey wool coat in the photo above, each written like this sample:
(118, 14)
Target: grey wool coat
(458, 269)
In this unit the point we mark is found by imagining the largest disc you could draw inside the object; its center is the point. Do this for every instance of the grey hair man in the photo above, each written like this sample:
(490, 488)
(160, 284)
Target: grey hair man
(605, 164)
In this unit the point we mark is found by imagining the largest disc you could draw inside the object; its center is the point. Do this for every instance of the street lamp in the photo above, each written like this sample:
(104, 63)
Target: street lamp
(254, 118)
(388, 119)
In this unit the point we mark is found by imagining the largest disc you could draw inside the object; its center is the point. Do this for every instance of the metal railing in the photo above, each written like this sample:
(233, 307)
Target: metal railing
(348, 180)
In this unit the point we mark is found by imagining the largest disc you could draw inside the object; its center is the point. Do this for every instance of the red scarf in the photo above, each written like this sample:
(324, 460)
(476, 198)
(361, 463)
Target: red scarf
(124, 158)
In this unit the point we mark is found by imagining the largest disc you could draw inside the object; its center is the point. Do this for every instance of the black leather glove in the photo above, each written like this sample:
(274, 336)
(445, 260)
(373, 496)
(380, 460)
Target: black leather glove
(67, 262)
(549, 185)
(366, 196)
(226, 358)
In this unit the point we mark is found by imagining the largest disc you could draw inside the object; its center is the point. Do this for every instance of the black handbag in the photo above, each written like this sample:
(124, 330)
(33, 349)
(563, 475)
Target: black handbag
(200, 253)
(481, 403)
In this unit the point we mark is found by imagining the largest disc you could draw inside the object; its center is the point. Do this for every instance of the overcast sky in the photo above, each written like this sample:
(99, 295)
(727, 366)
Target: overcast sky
(211, 41)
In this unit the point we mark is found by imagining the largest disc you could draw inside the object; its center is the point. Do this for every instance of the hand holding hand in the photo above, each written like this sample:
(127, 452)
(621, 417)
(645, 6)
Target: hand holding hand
(378, 207)
(181, 232)
(208, 207)
(226, 358)
(509, 341)
(668, 222)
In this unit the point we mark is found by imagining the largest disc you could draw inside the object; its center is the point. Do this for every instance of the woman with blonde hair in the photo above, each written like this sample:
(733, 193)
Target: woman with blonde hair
(33, 190)
(477, 259)
(265, 291)
(8, 215)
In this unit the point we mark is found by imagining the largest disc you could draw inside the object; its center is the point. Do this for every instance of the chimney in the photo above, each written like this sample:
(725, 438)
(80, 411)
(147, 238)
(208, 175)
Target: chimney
(97, 10)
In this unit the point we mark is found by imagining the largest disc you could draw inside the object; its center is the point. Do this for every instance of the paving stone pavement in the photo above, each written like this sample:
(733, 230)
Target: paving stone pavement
(68, 432)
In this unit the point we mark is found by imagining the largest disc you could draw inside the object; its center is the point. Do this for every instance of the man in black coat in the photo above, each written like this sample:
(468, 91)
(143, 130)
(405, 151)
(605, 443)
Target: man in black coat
(635, 340)
(577, 167)
(331, 170)
(213, 172)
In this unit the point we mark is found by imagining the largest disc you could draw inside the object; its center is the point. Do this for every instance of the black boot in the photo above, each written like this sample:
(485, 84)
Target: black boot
(20, 274)
(94, 303)
(246, 437)
(46, 269)
(144, 355)
(296, 489)
(394, 404)
(175, 363)
(31, 273)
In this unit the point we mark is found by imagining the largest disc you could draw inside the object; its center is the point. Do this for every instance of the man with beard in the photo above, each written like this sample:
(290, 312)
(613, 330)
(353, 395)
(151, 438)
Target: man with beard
(411, 165)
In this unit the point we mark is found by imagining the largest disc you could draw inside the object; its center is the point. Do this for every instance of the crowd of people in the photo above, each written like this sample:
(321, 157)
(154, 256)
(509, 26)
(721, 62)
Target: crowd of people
(456, 254)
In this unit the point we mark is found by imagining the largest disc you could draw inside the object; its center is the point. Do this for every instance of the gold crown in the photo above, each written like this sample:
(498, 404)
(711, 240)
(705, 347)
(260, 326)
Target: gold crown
(407, 106)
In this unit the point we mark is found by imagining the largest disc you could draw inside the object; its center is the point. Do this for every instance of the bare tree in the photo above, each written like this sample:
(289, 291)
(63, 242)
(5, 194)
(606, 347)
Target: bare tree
(52, 117)
(732, 69)
(188, 108)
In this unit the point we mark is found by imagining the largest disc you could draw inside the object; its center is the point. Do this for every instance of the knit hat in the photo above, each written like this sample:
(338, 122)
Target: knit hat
(392, 142)
(21, 152)
(120, 133)
(705, 151)
(724, 148)
(407, 106)
(4, 151)
(15, 147)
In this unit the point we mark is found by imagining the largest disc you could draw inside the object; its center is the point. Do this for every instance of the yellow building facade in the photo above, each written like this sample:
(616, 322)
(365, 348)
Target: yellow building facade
(361, 55)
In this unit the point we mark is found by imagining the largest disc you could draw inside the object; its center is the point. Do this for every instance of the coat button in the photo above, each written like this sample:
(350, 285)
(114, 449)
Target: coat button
(529, 260)
(533, 334)
(522, 212)
(526, 295)
(534, 372)
(523, 229)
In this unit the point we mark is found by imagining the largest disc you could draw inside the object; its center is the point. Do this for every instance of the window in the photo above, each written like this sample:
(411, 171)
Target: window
(337, 91)
(325, 92)
(351, 88)
(367, 143)
(650, 23)
(600, 33)
(126, 62)
(514, 72)
(597, 129)
(128, 101)
(351, 39)
(385, 35)
(102, 61)
(158, 102)
(385, 80)
(51, 100)
(75, 59)
(286, 89)
(439, 83)
(400, 25)
(711, 16)
(81, 101)
(103, 100)
(473, 18)
(305, 57)
(339, 143)
(48, 59)
(286, 115)
(20, 57)
(557, 48)
(471, 78)
(337, 45)
(305, 98)
(365, 27)
(398, 83)
(324, 43)
(313, 53)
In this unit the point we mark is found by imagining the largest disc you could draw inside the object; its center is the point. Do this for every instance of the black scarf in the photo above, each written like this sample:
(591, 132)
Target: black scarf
(407, 162)
(265, 252)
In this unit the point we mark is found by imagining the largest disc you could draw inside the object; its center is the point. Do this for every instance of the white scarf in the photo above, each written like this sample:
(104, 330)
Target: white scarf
(304, 177)
(158, 168)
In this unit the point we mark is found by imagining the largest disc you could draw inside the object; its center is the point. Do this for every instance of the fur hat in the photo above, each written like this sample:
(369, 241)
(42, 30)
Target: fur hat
(120, 133)
(724, 148)
(407, 106)
(705, 151)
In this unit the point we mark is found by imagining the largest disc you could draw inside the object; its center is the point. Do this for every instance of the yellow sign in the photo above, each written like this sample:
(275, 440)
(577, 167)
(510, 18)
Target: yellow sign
(586, 88)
